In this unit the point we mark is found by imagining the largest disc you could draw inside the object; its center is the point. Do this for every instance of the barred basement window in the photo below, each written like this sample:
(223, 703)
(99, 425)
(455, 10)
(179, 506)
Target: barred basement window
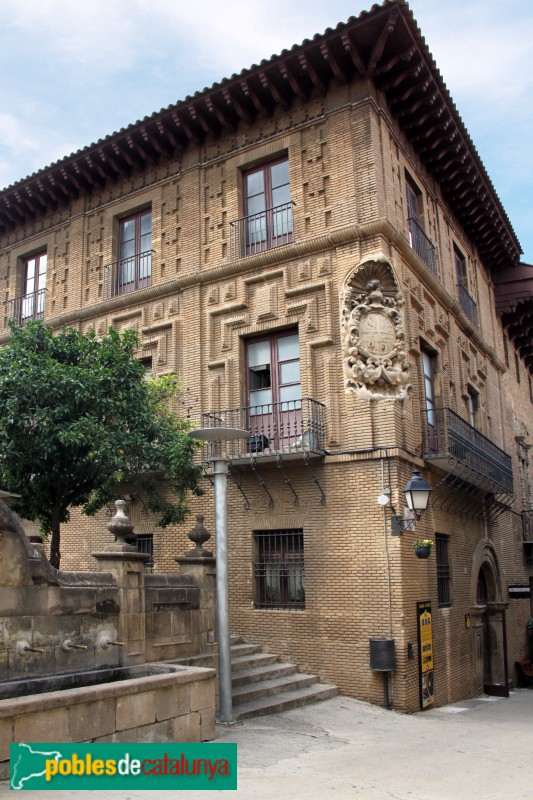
(279, 569)
(145, 544)
(444, 582)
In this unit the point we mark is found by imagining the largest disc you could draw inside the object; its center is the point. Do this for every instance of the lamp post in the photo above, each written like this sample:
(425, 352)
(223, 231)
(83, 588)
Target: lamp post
(220, 470)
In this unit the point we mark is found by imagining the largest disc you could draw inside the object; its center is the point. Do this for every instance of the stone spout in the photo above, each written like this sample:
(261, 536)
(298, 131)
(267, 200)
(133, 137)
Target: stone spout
(68, 645)
(26, 647)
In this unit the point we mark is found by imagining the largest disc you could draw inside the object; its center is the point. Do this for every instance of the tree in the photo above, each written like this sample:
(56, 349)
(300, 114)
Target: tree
(79, 419)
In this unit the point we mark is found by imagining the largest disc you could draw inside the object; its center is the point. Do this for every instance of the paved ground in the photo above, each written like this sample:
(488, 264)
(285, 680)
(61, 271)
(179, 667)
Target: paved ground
(343, 749)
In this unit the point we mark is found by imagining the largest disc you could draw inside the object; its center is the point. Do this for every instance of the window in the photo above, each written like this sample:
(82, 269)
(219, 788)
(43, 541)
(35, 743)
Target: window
(419, 241)
(429, 369)
(267, 207)
(414, 202)
(460, 267)
(145, 544)
(32, 305)
(472, 407)
(274, 390)
(279, 569)
(444, 582)
(134, 268)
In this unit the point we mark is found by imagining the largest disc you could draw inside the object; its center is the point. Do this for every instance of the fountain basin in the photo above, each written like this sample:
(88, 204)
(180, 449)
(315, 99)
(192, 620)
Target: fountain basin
(154, 702)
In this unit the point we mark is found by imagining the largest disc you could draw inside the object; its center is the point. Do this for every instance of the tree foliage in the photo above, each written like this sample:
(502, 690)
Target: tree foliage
(78, 419)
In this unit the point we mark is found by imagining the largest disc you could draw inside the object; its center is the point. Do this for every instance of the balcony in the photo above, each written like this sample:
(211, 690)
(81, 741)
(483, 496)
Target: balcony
(26, 307)
(468, 305)
(263, 231)
(128, 274)
(286, 429)
(422, 245)
(456, 447)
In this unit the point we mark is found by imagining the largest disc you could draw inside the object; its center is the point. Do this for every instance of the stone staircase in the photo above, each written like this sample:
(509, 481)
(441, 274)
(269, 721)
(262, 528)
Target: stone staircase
(262, 684)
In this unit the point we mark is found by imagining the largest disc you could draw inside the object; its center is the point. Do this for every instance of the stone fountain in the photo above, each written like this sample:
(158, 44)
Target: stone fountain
(84, 656)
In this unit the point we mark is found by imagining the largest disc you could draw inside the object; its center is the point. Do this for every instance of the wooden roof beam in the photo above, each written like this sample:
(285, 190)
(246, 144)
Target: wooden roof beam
(313, 74)
(48, 191)
(232, 101)
(379, 44)
(42, 204)
(25, 203)
(110, 161)
(225, 120)
(137, 148)
(258, 102)
(69, 177)
(351, 48)
(270, 86)
(190, 132)
(335, 65)
(167, 134)
(404, 56)
(5, 210)
(96, 170)
(292, 79)
(123, 155)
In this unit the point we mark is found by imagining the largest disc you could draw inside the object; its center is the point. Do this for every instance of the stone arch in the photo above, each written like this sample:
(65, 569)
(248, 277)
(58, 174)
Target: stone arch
(485, 565)
(375, 361)
(487, 613)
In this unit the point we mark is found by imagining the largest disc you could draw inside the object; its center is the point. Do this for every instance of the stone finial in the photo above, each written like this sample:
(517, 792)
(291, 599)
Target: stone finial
(198, 535)
(122, 528)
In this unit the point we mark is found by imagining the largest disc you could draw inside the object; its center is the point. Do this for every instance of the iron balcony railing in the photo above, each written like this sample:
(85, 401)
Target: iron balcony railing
(262, 231)
(26, 307)
(446, 434)
(293, 426)
(128, 274)
(422, 245)
(468, 305)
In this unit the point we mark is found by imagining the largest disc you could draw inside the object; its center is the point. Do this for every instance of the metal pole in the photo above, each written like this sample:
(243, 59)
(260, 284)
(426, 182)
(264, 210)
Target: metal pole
(220, 469)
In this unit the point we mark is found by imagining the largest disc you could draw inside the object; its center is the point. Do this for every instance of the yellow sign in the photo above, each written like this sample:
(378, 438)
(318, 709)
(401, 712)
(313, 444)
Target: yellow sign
(425, 647)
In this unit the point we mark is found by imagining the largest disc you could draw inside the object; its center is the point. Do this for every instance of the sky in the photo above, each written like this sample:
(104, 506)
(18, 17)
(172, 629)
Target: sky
(74, 72)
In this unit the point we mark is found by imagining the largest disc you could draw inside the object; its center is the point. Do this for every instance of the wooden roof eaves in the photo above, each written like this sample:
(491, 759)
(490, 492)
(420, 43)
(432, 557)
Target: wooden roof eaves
(393, 52)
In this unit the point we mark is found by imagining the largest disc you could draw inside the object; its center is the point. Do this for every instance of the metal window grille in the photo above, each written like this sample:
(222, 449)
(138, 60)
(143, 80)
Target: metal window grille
(444, 582)
(145, 544)
(279, 569)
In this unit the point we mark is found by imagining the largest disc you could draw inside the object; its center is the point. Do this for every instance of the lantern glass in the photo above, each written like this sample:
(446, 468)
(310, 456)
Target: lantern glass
(417, 491)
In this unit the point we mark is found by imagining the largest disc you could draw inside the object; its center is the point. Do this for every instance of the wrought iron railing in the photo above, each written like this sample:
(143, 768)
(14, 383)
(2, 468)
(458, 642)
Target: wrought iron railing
(128, 274)
(445, 433)
(26, 307)
(468, 305)
(294, 426)
(262, 231)
(422, 245)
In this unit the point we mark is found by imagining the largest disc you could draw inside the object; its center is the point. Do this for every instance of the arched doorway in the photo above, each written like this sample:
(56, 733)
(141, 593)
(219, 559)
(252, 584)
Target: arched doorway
(488, 620)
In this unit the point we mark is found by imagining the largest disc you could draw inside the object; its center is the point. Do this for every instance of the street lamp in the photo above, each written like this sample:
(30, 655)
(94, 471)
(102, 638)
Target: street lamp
(220, 470)
(416, 492)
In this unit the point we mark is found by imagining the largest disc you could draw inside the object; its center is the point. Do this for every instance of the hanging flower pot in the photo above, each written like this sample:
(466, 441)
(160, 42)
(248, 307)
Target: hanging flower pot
(422, 548)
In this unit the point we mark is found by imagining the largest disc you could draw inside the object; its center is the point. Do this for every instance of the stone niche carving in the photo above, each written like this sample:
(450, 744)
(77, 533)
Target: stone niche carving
(375, 361)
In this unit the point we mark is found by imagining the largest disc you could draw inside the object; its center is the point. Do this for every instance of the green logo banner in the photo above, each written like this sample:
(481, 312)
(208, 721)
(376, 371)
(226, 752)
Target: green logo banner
(123, 766)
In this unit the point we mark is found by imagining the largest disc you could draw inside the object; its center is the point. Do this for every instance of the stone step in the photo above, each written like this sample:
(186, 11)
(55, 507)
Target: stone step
(264, 673)
(205, 660)
(254, 660)
(243, 649)
(275, 686)
(235, 639)
(285, 700)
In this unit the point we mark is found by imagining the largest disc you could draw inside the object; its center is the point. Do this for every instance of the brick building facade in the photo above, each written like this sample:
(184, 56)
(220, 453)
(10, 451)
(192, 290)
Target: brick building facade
(313, 246)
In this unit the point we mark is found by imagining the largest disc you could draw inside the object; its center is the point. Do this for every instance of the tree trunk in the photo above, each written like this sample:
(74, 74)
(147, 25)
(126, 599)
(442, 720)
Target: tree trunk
(55, 555)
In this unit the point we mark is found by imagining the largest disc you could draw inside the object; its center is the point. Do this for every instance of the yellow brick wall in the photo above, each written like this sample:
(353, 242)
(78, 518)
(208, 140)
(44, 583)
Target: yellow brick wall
(347, 170)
